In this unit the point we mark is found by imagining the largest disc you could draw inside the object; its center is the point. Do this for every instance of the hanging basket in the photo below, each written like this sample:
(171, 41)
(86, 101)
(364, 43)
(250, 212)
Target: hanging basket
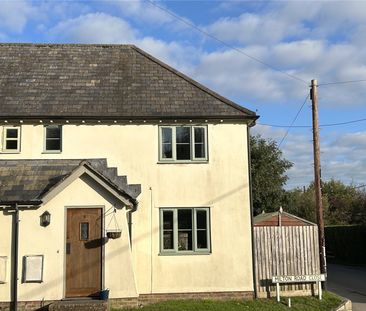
(114, 234)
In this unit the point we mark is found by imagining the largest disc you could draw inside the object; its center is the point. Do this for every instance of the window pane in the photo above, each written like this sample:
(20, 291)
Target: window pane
(183, 135)
(202, 239)
(185, 240)
(11, 133)
(168, 240)
(199, 140)
(53, 144)
(183, 151)
(166, 135)
(167, 151)
(201, 219)
(185, 219)
(199, 135)
(184, 229)
(168, 220)
(11, 145)
(199, 151)
(168, 235)
(84, 231)
(53, 131)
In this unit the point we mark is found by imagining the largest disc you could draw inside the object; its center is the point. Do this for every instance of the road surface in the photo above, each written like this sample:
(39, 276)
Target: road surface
(349, 282)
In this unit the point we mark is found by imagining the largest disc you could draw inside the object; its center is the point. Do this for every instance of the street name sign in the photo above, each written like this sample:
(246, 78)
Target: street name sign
(306, 278)
(298, 278)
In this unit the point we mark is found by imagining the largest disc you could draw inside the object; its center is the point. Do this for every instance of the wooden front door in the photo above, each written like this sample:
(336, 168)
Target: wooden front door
(84, 252)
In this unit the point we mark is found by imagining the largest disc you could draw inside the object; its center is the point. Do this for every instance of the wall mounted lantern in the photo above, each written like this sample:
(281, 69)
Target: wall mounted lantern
(45, 219)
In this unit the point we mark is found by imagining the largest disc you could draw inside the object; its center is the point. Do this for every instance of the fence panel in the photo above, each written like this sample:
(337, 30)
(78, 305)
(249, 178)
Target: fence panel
(285, 250)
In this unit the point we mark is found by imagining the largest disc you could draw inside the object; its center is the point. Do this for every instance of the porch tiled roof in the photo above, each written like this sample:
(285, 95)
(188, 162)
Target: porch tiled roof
(30, 180)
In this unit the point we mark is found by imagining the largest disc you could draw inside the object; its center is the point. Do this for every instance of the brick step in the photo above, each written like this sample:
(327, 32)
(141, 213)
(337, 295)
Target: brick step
(79, 305)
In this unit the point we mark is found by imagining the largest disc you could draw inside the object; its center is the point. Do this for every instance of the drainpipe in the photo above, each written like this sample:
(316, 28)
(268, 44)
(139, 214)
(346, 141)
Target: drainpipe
(129, 219)
(251, 211)
(15, 257)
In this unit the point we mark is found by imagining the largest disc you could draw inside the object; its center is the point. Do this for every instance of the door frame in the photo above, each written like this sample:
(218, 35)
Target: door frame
(66, 208)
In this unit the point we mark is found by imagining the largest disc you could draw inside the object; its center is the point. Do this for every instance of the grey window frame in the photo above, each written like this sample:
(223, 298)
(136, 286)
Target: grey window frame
(5, 139)
(195, 250)
(45, 138)
(193, 158)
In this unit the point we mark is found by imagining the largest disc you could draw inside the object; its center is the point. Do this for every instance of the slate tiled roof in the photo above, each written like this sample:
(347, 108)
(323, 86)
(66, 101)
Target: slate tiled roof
(30, 180)
(95, 81)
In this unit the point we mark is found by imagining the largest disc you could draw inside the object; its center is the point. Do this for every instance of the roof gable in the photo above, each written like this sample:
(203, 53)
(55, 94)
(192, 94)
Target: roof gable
(37, 181)
(115, 81)
(275, 218)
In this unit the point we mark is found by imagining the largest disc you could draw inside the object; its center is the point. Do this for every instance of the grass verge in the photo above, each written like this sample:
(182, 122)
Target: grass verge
(329, 302)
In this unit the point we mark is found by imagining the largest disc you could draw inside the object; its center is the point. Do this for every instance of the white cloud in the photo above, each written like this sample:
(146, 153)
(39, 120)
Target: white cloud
(93, 28)
(14, 15)
(143, 11)
(240, 77)
(342, 156)
(108, 29)
(173, 53)
(251, 28)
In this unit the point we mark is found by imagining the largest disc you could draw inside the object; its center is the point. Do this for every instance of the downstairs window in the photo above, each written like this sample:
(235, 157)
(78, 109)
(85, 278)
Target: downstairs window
(184, 230)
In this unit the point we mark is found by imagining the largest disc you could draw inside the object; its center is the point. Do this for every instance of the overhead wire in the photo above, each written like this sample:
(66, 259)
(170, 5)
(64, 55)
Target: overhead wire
(294, 120)
(182, 20)
(320, 125)
(341, 82)
(188, 23)
(361, 186)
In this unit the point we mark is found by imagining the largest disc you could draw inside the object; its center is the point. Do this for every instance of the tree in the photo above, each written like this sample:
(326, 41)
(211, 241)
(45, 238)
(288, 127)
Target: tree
(268, 174)
(343, 204)
(301, 202)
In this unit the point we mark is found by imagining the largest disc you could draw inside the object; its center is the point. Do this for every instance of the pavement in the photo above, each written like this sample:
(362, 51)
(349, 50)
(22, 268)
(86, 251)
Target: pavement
(349, 282)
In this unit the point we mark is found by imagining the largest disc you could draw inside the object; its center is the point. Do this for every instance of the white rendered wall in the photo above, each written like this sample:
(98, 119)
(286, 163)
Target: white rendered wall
(220, 184)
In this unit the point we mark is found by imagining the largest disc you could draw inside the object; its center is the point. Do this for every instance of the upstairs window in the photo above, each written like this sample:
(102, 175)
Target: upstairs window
(184, 230)
(53, 138)
(11, 139)
(183, 143)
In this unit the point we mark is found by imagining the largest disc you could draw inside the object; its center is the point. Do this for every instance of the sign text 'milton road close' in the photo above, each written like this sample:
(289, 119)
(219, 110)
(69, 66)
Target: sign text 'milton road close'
(298, 278)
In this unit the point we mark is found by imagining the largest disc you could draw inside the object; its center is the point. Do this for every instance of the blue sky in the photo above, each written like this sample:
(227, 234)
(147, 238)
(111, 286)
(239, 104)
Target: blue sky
(324, 40)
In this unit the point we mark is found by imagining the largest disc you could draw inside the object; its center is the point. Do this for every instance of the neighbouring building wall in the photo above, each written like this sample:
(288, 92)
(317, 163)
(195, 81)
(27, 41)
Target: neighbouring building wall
(221, 184)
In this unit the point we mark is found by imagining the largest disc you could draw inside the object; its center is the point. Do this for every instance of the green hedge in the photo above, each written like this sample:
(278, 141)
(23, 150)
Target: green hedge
(346, 244)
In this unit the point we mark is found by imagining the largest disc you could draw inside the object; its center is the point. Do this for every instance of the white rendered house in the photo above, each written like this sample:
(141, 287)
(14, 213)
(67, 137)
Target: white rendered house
(125, 174)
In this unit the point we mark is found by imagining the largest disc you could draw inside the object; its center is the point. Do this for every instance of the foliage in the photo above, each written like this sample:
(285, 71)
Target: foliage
(329, 302)
(301, 202)
(342, 204)
(268, 174)
(346, 244)
(345, 203)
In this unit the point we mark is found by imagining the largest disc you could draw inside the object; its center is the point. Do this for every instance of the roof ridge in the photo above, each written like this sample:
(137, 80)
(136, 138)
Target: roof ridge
(111, 45)
(193, 82)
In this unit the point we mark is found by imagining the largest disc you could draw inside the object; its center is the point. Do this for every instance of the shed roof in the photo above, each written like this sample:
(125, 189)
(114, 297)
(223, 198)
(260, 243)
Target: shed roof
(287, 219)
(31, 180)
(96, 81)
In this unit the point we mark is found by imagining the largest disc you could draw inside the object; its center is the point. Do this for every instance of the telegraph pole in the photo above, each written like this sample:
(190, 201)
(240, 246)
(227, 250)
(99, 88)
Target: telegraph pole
(317, 175)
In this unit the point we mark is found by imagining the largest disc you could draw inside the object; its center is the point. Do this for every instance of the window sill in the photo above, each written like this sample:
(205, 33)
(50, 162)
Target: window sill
(51, 152)
(183, 162)
(184, 253)
(9, 152)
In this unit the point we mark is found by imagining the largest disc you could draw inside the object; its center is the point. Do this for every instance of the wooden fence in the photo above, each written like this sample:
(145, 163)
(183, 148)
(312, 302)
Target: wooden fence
(292, 250)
